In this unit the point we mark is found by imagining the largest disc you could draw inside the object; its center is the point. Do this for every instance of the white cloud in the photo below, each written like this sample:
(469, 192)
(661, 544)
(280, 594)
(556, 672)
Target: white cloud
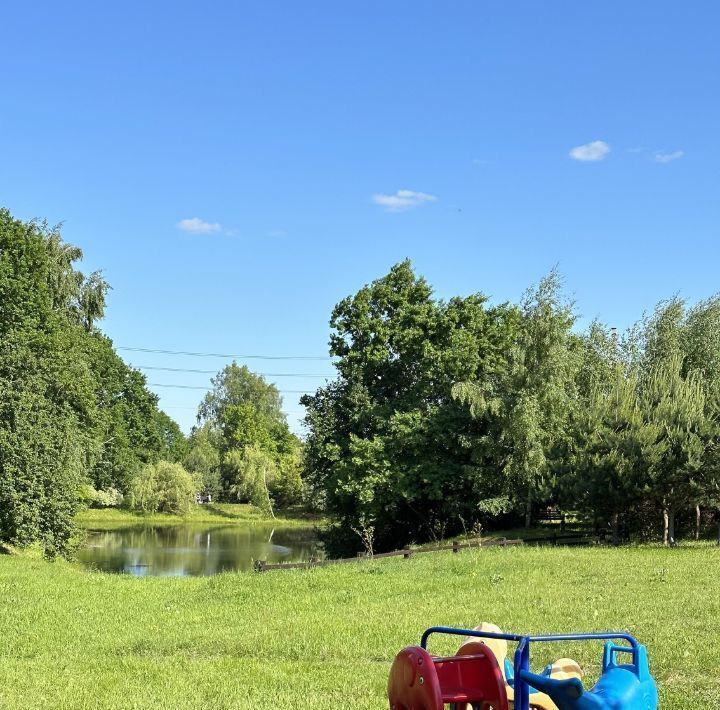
(402, 200)
(669, 157)
(195, 225)
(596, 150)
(277, 233)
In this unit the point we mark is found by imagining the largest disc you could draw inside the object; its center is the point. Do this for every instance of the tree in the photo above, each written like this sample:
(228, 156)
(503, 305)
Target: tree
(173, 444)
(244, 412)
(677, 406)
(240, 405)
(47, 406)
(164, 487)
(130, 430)
(203, 460)
(617, 448)
(679, 384)
(388, 446)
(71, 411)
(254, 471)
(528, 402)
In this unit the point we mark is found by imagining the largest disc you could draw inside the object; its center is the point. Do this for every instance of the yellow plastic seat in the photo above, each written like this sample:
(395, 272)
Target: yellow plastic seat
(561, 669)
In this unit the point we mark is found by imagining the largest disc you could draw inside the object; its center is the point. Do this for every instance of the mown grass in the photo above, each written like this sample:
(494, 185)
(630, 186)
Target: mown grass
(325, 638)
(225, 513)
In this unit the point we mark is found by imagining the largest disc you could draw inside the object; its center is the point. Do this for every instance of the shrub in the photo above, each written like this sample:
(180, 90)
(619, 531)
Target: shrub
(108, 498)
(162, 487)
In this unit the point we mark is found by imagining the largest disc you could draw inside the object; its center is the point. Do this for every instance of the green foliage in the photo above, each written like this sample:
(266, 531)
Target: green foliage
(203, 459)
(109, 498)
(388, 445)
(163, 487)
(448, 413)
(242, 429)
(254, 471)
(131, 430)
(46, 389)
(71, 412)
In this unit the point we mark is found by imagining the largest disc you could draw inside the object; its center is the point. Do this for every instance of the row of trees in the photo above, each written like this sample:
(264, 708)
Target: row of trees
(72, 413)
(450, 413)
(79, 426)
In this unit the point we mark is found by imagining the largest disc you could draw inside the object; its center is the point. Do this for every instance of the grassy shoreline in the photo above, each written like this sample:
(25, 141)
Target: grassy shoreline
(217, 513)
(326, 637)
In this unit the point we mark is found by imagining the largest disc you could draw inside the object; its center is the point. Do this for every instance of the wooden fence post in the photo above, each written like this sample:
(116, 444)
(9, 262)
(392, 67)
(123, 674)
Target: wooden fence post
(406, 552)
(260, 565)
(455, 546)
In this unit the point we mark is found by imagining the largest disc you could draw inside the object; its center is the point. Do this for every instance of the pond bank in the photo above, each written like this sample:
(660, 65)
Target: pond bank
(219, 513)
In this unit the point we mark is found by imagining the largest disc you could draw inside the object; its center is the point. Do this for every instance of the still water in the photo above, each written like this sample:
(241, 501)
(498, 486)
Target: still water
(181, 550)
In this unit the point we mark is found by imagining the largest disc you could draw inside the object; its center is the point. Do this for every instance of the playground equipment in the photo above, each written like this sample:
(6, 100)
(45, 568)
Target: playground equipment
(480, 677)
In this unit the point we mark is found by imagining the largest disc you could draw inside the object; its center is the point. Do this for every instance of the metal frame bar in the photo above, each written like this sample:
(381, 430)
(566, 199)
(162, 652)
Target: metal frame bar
(522, 653)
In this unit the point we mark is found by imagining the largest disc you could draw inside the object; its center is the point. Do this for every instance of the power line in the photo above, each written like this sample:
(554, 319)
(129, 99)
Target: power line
(207, 389)
(289, 412)
(237, 357)
(214, 372)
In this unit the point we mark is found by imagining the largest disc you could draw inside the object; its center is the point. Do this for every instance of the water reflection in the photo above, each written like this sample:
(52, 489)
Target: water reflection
(179, 550)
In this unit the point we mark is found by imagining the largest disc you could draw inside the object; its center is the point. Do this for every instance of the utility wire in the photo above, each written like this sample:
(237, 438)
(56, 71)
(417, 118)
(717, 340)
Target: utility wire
(214, 372)
(207, 389)
(237, 357)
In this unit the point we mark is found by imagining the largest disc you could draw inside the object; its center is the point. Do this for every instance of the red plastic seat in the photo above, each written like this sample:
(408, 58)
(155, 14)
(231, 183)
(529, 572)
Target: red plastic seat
(420, 682)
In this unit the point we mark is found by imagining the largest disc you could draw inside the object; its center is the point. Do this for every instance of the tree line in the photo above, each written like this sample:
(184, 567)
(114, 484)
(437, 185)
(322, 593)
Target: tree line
(78, 426)
(444, 414)
(450, 414)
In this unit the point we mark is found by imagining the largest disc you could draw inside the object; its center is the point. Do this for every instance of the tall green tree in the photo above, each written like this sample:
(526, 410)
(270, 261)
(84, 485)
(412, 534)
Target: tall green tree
(242, 415)
(71, 411)
(47, 407)
(388, 446)
(202, 458)
(528, 402)
(130, 430)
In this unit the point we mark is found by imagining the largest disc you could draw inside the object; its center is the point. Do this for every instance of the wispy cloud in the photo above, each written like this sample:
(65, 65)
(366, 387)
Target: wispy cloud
(402, 200)
(277, 233)
(195, 225)
(595, 150)
(669, 157)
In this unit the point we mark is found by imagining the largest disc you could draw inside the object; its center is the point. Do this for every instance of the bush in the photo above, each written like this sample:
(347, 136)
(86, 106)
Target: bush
(108, 498)
(163, 487)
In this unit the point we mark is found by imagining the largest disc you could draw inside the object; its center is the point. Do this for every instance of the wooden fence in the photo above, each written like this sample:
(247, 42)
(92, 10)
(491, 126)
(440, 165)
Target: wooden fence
(456, 546)
(406, 553)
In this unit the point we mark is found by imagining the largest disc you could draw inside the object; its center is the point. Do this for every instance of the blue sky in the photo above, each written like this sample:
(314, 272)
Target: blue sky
(236, 168)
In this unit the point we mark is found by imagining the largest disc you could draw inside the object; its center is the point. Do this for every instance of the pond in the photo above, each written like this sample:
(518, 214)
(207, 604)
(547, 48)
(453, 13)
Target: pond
(194, 549)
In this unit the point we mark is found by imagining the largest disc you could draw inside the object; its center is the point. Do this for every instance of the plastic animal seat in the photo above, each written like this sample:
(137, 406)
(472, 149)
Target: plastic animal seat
(562, 669)
(418, 681)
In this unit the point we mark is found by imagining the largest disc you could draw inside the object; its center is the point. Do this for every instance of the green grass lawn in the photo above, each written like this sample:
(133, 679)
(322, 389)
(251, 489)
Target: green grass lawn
(325, 638)
(207, 513)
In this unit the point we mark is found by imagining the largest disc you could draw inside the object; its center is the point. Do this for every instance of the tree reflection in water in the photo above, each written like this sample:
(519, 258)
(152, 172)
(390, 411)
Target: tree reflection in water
(195, 550)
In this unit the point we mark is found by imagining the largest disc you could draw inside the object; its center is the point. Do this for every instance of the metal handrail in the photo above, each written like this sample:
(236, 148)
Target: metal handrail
(522, 653)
